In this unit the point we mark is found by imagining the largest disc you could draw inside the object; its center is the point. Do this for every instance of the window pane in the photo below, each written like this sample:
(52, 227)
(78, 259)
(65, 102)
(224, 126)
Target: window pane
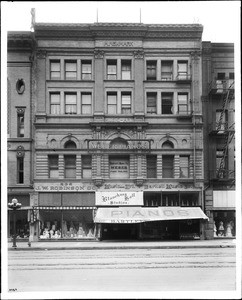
(70, 166)
(167, 166)
(151, 70)
(166, 70)
(112, 103)
(184, 166)
(55, 69)
(70, 104)
(151, 166)
(167, 105)
(151, 103)
(87, 70)
(126, 104)
(71, 68)
(126, 70)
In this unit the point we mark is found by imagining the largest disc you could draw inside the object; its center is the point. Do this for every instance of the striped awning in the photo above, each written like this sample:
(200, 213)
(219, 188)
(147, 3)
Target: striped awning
(63, 207)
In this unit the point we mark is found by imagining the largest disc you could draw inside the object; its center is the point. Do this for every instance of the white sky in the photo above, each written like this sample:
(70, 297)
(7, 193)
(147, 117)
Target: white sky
(221, 19)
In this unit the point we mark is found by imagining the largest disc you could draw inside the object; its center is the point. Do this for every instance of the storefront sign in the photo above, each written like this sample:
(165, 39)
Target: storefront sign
(119, 198)
(63, 187)
(145, 214)
(131, 144)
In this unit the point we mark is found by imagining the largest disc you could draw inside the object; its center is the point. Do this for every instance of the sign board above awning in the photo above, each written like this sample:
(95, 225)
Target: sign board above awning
(146, 214)
(119, 198)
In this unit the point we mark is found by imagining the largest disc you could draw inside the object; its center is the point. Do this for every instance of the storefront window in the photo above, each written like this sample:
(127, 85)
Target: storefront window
(22, 224)
(224, 224)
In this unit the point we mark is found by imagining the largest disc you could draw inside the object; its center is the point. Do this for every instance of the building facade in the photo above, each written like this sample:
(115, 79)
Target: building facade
(219, 135)
(114, 115)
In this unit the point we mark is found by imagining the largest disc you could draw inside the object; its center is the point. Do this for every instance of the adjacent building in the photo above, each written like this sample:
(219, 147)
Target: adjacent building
(112, 143)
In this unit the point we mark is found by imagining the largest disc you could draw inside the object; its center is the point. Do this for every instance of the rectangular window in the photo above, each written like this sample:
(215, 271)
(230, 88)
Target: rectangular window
(151, 162)
(126, 69)
(231, 76)
(70, 103)
(53, 166)
(55, 69)
(86, 70)
(119, 167)
(70, 166)
(182, 70)
(221, 76)
(86, 166)
(166, 70)
(86, 103)
(167, 103)
(112, 103)
(151, 70)
(20, 124)
(112, 69)
(55, 103)
(70, 70)
(20, 170)
(184, 166)
(151, 103)
(125, 103)
(167, 166)
(221, 163)
(182, 103)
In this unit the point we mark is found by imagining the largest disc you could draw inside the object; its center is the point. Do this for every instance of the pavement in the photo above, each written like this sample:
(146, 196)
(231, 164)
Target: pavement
(121, 244)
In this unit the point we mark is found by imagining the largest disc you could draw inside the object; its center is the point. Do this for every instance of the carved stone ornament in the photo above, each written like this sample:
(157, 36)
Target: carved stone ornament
(98, 53)
(20, 151)
(98, 182)
(20, 86)
(139, 54)
(139, 181)
(41, 54)
(20, 110)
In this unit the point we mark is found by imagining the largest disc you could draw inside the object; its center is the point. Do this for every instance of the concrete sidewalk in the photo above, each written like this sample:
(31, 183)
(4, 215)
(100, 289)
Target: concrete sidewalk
(117, 244)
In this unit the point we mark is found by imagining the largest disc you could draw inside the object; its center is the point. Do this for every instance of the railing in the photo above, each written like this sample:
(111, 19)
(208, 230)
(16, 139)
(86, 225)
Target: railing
(223, 127)
(221, 86)
(183, 77)
(222, 174)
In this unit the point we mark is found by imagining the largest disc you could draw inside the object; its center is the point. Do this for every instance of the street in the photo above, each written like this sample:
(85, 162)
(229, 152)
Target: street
(207, 269)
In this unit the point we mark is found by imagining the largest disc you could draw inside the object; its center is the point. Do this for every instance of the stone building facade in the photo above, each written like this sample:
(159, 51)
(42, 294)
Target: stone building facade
(116, 124)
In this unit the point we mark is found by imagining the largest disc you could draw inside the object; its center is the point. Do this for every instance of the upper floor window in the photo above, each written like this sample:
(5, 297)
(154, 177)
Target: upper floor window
(112, 103)
(167, 166)
(55, 69)
(70, 166)
(70, 145)
(70, 69)
(151, 162)
(119, 167)
(125, 103)
(166, 70)
(182, 71)
(70, 103)
(151, 103)
(221, 76)
(86, 66)
(167, 103)
(182, 103)
(86, 166)
(53, 166)
(55, 103)
(20, 170)
(231, 75)
(20, 124)
(86, 103)
(151, 70)
(184, 166)
(126, 69)
(112, 69)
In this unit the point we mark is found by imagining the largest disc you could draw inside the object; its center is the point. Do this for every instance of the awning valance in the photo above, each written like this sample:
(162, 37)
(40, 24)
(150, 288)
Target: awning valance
(146, 214)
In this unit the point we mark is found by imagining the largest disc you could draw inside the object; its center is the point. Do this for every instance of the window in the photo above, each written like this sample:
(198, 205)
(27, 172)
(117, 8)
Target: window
(55, 103)
(20, 170)
(184, 167)
(151, 103)
(221, 76)
(151, 162)
(126, 69)
(70, 166)
(55, 69)
(112, 103)
(167, 99)
(86, 103)
(221, 163)
(70, 103)
(119, 167)
(86, 166)
(182, 103)
(70, 145)
(112, 69)
(231, 76)
(20, 124)
(167, 145)
(86, 70)
(182, 70)
(167, 166)
(53, 166)
(221, 120)
(125, 103)
(70, 70)
(166, 70)
(151, 70)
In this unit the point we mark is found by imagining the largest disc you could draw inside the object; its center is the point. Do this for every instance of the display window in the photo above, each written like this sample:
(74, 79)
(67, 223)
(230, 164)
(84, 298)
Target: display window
(22, 224)
(70, 224)
(224, 224)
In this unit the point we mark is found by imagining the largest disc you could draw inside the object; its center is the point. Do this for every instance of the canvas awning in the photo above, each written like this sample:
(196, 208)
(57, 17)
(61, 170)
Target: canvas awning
(146, 214)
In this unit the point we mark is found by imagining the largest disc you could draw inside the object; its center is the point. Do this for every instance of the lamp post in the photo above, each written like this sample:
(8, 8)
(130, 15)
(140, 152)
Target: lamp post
(14, 205)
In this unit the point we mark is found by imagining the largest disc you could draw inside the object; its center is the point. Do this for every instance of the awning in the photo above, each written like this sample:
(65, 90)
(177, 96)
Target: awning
(146, 214)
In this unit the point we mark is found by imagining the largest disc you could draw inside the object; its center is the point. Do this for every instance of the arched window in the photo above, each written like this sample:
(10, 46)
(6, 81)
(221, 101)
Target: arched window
(167, 145)
(70, 145)
(118, 143)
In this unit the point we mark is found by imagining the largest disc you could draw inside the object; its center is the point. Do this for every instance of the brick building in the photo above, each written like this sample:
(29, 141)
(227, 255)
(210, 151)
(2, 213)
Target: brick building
(113, 130)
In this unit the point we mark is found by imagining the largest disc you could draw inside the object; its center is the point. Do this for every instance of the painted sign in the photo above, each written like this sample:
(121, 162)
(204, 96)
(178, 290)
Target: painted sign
(119, 198)
(145, 214)
(119, 168)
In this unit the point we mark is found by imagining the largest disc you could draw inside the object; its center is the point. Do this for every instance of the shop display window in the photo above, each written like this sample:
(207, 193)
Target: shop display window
(22, 224)
(66, 224)
(224, 224)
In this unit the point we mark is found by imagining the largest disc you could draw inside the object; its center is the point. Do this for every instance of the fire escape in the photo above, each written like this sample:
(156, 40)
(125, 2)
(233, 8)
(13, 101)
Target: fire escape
(223, 128)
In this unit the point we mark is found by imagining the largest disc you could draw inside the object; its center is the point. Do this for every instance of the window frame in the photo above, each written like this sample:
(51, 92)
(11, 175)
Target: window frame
(169, 168)
(182, 75)
(87, 73)
(86, 166)
(68, 166)
(73, 105)
(165, 100)
(20, 170)
(112, 75)
(20, 124)
(179, 105)
(124, 64)
(126, 108)
(112, 104)
(70, 62)
(55, 61)
(169, 76)
(53, 167)
(151, 166)
(151, 67)
(55, 105)
(185, 168)
(149, 96)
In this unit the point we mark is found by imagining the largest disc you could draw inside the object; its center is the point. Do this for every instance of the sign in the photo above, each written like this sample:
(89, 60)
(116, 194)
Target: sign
(119, 198)
(119, 168)
(146, 214)
(131, 144)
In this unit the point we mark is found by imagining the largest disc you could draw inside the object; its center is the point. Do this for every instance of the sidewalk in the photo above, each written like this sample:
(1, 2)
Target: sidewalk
(95, 245)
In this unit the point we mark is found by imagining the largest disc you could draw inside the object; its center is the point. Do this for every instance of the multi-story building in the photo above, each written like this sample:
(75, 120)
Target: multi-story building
(219, 133)
(117, 131)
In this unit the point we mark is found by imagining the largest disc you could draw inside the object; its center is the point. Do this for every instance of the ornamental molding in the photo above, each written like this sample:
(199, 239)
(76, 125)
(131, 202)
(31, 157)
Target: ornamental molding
(20, 110)
(20, 151)
(139, 54)
(40, 54)
(99, 54)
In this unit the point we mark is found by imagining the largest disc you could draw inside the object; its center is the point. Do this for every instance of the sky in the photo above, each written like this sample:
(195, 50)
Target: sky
(221, 19)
